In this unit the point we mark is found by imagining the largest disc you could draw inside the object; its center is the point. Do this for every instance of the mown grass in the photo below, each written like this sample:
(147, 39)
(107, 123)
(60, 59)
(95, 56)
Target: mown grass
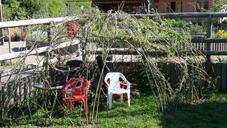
(143, 113)
(209, 113)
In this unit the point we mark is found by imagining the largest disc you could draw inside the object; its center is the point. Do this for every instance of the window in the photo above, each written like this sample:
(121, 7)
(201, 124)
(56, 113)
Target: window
(206, 5)
(199, 6)
(173, 6)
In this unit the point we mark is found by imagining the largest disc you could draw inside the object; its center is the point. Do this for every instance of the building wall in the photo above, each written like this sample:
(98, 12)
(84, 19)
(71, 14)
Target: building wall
(163, 6)
(183, 5)
(189, 6)
(129, 6)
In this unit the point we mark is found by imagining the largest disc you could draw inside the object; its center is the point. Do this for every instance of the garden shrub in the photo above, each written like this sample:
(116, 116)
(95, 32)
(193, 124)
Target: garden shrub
(221, 34)
(56, 8)
(177, 23)
(152, 35)
(78, 6)
(25, 9)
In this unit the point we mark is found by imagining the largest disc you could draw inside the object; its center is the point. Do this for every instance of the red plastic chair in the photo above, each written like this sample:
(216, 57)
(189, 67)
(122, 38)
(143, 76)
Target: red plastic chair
(72, 92)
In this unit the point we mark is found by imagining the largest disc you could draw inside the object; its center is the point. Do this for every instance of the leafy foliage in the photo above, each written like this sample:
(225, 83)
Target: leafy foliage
(56, 7)
(177, 23)
(221, 34)
(197, 29)
(217, 6)
(78, 6)
(23, 9)
(31, 6)
(13, 11)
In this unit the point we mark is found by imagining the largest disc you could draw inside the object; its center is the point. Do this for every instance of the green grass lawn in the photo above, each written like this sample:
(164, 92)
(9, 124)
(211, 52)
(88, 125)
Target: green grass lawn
(143, 113)
(210, 113)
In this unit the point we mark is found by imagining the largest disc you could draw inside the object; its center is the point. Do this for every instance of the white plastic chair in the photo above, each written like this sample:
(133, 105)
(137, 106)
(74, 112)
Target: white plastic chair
(112, 80)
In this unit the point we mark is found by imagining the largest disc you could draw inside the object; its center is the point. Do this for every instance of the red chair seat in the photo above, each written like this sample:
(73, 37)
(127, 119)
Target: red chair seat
(78, 93)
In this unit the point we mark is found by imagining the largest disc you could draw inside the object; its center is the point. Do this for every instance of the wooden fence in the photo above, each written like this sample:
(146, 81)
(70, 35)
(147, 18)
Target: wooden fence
(18, 90)
(20, 87)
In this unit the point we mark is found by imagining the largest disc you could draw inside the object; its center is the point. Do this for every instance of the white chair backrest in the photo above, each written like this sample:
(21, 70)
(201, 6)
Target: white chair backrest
(114, 80)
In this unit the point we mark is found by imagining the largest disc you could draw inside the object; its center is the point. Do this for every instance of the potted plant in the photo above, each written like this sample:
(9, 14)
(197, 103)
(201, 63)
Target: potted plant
(197, 31)
(224, 23)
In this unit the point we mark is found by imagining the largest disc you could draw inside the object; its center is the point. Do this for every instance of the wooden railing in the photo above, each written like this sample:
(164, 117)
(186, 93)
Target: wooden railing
(216, 47)
(208, 45)
(9, 56)
(21, 23)
(185, 14)
(19, 88)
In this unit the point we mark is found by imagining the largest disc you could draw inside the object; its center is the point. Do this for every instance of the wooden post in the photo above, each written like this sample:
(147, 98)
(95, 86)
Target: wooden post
(208, 45)
(1, 91)
(149, 6)
(1, 30)
(30, 82)
(218, 70)
(15, 97)
(20, 91)
(223, 75)
(0, 79)
(49, 33)
(9, 40)
(25, 91)
(209, 31)
(3, 97)
(9, 93)
(83, 45)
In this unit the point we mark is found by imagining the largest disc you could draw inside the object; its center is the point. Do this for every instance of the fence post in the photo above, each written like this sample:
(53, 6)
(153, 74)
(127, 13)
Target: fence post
(209, 31)
(223, 80)
(208, 45)
(49, 33)
(1, 30)
(25, 89)
(1, 91)
(3, 96)
(9, 39)
(0, 79)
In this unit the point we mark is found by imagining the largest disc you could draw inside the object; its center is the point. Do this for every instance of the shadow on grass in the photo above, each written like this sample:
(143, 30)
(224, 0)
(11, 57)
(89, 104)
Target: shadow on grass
(14, 114)
(143, 112)
(205, 115)
(30, 114)
(139, 106)
(39, 117)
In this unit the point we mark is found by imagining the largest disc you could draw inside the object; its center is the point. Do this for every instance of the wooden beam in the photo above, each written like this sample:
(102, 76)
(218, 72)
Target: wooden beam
(185, 14)
(209, 40)
(127, 51)
(20, 23)
(119, 1)
(167, 1)
(220, 53)
(37, 51)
